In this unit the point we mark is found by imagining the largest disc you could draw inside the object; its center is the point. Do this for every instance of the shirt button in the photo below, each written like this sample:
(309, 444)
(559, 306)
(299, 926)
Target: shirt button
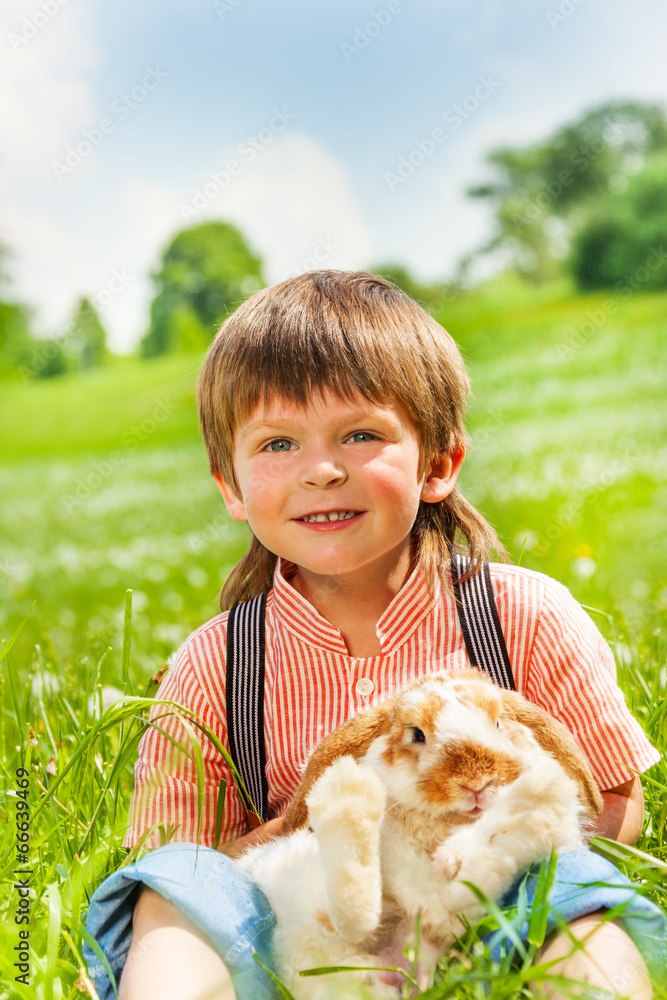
(365, 686)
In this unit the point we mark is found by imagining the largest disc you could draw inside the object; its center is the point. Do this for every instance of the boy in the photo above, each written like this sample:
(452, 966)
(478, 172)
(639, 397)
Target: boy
(332, 409)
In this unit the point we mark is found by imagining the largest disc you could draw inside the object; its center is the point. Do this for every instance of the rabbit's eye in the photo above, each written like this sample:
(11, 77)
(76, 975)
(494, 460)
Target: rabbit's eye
(418, 735)
(498, 726)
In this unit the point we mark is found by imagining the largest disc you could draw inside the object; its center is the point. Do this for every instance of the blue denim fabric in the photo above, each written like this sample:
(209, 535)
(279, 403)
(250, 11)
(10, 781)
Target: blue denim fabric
(227, 906)
(586, 882)
(211, 890)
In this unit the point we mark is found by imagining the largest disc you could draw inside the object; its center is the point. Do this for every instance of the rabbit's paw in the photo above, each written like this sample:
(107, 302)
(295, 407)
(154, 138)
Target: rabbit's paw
(345, 808)
(346, 791)
(447, 861)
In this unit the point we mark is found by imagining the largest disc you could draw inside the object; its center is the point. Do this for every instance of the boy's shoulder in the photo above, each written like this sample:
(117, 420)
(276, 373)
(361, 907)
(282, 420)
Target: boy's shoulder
(208, 642)
(532, 594)
(522, 581)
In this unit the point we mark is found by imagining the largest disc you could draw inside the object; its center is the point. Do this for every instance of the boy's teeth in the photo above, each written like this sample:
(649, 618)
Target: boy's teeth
(336, 515)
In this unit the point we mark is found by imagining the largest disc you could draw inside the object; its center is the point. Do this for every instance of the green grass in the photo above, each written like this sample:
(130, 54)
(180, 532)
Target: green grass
(104, 486)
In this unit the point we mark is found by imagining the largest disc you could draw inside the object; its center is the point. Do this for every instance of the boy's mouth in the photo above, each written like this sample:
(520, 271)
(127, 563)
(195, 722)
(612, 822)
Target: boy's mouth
(329, 516)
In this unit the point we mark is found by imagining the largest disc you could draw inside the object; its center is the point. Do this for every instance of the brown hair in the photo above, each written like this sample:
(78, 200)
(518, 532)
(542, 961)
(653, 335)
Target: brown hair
(348, 332)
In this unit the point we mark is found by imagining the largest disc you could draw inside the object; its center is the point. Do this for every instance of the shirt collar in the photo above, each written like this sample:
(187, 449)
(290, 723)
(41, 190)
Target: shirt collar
(397, 623)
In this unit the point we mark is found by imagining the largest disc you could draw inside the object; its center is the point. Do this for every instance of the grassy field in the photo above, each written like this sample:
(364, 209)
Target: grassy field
(104, 486)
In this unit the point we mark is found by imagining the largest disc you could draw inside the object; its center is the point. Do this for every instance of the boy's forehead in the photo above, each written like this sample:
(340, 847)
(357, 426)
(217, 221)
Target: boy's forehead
(326, 404)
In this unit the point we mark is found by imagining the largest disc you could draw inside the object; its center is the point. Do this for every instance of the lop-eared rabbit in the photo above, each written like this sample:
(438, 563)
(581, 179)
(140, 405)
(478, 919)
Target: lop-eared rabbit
(449, 780)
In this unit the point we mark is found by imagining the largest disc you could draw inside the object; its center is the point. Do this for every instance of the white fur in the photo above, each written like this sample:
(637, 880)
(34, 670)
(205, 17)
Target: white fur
(378, 854)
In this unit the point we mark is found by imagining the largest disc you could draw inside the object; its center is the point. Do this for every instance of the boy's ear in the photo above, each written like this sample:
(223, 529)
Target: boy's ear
(441, 475)
(235, 506)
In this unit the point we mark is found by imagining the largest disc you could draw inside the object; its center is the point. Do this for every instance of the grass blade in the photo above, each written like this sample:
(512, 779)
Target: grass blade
(282, 989)
(53, 935)
(539, 915)
(127, 640)
(222, 792)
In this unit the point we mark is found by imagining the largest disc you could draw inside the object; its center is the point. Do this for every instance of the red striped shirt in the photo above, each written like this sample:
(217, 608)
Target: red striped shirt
(559, 659)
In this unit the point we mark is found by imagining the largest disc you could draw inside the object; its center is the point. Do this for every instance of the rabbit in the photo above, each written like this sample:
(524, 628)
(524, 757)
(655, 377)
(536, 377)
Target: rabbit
(449, 780)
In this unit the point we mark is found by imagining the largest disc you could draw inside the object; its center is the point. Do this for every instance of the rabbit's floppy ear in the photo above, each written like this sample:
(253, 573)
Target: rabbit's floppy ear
(353, 738)
(557, 740)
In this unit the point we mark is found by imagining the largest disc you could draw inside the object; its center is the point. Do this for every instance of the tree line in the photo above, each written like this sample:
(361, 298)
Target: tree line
(590, 202)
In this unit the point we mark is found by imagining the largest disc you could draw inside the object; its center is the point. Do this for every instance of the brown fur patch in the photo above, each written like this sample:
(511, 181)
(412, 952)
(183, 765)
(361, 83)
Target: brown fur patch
(422, 717)
(553, 737)
(354, 737)
(466, 765)
(482, 696)
(324, 921)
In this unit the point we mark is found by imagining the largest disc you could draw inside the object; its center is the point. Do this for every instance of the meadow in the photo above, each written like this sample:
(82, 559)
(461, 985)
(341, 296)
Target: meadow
(105, 487)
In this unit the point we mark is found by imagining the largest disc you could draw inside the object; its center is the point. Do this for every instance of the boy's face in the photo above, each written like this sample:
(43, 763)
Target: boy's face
(339, 457)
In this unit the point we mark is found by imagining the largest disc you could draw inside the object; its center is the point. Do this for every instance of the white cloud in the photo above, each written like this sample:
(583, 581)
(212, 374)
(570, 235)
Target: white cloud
(43, 79)
(46, 97)
(294, 197)
(293, 201)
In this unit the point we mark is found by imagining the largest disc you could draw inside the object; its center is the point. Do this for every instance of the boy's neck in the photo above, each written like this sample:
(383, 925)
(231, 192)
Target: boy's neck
(355, 602)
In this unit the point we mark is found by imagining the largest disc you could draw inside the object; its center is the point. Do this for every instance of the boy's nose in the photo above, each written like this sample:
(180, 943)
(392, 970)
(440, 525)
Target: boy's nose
(322, 473)
(322, 467)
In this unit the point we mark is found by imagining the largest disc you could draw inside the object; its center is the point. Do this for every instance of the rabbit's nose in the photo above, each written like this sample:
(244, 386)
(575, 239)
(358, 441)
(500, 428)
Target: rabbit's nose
(477, 787)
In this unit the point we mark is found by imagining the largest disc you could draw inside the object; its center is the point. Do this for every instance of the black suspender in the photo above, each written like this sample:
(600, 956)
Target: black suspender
(480, 624)
(245, 699)
(485, 644)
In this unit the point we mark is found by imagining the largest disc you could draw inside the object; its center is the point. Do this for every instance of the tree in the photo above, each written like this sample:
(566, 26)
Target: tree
(88, 337)
(15, 340)
(206, 271)
(543, 193)
(622, 243)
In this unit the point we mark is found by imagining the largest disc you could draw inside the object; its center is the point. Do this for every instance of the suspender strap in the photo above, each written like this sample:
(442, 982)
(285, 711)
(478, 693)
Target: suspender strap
(478, 615)
(245, 699)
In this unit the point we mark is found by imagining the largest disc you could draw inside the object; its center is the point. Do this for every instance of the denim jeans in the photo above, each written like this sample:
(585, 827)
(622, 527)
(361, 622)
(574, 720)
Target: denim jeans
(228, 907)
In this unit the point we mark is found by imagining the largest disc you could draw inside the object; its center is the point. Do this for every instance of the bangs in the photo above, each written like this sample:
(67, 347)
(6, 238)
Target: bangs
(347, 333)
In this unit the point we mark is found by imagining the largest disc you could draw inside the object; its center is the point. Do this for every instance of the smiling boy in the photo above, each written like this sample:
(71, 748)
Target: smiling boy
(332, 408)
(338, 495)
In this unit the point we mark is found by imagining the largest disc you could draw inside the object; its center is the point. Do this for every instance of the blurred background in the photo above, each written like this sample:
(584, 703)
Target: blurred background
(504, 163)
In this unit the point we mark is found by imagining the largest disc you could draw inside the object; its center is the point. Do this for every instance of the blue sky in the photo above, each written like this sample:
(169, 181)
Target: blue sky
(330, 96)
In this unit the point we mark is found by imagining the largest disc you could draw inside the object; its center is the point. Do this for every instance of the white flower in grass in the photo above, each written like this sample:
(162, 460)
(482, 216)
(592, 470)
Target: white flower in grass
(584, 567)
(110, 696)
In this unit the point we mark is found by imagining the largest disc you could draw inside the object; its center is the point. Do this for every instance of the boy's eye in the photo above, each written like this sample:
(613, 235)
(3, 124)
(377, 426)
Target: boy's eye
(280, 444)
(366, 435)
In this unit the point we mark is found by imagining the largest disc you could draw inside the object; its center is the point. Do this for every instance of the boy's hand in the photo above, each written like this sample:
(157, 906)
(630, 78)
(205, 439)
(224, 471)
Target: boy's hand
(623, 814)
(268, 830)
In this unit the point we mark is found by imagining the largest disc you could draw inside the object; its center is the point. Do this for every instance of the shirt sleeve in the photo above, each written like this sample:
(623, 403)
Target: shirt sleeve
(166, 787)
(572, 675)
